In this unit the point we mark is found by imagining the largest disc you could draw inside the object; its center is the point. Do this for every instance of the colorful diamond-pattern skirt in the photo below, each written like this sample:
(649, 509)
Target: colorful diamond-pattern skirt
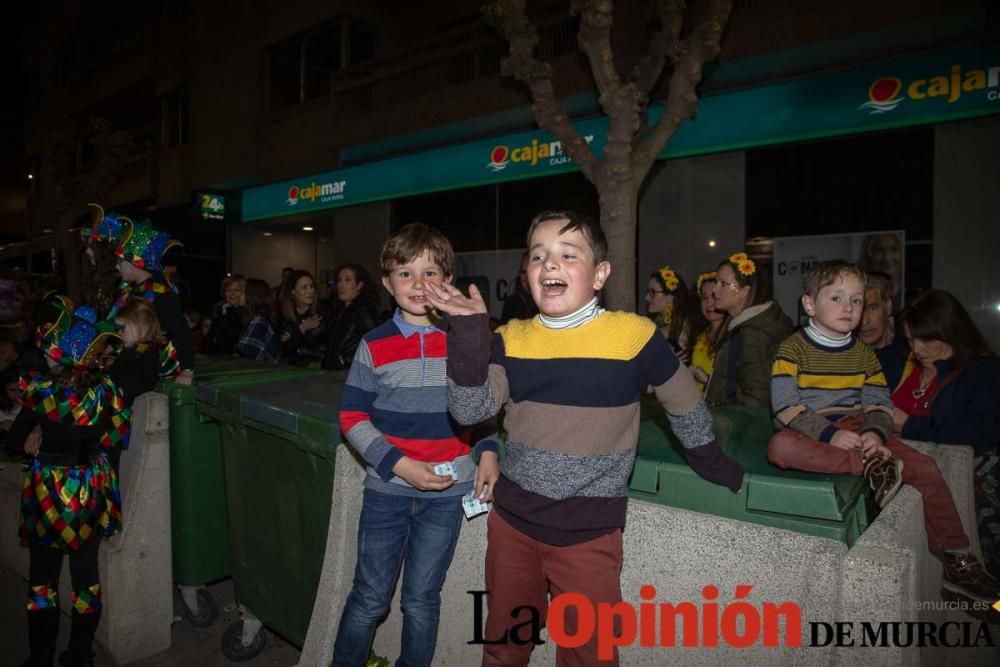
(66, 506)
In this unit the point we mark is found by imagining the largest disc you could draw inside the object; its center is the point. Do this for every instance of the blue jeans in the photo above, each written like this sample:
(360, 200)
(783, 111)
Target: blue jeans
(421, 532)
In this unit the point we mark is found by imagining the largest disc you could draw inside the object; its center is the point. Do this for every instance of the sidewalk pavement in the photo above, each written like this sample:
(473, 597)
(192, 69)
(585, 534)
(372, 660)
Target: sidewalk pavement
(190, 646)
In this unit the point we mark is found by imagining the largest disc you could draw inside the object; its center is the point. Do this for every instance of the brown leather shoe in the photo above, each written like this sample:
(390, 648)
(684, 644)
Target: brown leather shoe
(965, 575)
(884, 477)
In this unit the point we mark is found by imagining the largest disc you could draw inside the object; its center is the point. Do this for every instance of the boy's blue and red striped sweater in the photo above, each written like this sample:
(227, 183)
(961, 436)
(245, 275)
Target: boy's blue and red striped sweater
(395, 404)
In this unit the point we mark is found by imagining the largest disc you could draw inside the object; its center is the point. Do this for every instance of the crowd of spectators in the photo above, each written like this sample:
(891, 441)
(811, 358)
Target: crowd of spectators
(938, 368)
(297, 322)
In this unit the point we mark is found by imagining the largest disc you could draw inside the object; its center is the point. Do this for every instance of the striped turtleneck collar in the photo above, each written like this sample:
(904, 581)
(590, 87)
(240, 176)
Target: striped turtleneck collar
(826, 340)
(573, 320)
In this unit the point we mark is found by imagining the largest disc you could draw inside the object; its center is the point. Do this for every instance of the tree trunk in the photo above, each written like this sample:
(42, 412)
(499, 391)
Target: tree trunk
(619, 201)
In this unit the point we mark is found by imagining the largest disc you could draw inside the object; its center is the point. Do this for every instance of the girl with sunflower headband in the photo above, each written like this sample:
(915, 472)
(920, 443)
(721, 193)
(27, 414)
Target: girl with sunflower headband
(753, 327)
(707, 327)
(70, 496)
(669, 303)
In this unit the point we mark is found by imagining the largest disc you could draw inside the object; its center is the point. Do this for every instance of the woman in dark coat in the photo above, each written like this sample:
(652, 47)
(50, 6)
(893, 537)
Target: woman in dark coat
(949, 395)
(229, 317)
(303, 330)
(354, 314)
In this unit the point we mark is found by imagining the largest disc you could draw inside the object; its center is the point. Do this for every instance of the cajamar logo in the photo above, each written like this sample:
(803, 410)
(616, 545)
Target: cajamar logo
(532, 153)
(888, 92)
(322, 191)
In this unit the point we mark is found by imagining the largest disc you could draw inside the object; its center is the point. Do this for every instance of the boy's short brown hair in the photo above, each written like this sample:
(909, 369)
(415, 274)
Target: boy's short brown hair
(410, 242)
(826, 273)
(590, 229)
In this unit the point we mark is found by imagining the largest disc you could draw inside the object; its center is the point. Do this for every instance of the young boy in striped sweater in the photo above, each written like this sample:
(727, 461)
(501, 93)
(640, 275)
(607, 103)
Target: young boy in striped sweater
(395, 415)
(570, 380)
(831, 401)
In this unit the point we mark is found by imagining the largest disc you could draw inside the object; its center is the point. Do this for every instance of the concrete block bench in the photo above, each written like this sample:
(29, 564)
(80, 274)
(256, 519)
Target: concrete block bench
(888, 575)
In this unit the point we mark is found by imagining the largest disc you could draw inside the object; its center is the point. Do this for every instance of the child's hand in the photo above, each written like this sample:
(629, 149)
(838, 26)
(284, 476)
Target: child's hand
(487, 473)
(845, 440)
(33, 443)
(421, 475)
(184, 377)
(699, 374)
(448, 299)
(872, 444)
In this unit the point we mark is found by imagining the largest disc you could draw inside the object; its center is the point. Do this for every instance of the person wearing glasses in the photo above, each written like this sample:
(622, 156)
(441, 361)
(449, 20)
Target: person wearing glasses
(670, 304)
(753, 328)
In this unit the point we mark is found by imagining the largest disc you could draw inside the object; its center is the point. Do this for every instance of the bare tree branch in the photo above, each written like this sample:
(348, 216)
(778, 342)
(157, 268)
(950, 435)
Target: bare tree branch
(595, 41)
(665, 44)
(701, 47)
(508, 17)
(619, 100)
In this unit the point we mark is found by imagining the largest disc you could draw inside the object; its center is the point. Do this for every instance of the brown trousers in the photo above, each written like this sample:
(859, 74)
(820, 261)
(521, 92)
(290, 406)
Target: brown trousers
(522, 571)
(791, 449)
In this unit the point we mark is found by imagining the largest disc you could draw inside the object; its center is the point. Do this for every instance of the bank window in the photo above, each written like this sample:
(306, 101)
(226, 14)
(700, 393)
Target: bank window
(176, 120)
(299, 69)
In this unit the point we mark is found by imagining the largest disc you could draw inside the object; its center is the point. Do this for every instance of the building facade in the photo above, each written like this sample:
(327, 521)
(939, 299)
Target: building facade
(222, 101)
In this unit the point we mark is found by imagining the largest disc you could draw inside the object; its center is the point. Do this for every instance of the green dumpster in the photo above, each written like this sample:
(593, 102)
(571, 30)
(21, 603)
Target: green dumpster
(830, 506)
(278, 447)
(199, 525)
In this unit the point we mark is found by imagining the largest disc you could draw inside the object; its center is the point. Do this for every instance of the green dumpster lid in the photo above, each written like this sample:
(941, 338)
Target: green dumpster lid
(743, 434)
(208, 390)
(215, 369)
(295, 406)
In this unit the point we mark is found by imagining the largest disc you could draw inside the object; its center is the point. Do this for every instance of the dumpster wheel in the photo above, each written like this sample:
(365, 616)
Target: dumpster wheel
(207, 612)
(232, 643)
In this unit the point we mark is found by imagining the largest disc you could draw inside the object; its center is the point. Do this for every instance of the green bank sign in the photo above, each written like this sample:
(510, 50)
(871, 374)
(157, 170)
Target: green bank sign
(929, 88)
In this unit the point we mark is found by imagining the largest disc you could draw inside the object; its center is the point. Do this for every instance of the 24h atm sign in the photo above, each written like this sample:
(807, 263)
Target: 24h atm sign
(899, 92)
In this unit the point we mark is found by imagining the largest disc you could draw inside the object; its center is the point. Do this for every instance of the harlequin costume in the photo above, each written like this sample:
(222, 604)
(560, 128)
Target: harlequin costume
(139, 244)
(136, 371)
(70, 496)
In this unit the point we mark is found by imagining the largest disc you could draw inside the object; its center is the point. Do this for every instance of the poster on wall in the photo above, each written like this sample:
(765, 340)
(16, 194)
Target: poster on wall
(873, 251)
(492, 271)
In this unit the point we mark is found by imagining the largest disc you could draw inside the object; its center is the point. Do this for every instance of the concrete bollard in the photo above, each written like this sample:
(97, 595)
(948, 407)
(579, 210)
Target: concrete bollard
(136, 576)
(888, 575)
(338, 563)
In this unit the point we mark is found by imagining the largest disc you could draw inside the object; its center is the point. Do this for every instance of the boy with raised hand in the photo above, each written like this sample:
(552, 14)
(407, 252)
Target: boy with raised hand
(830, 398)
(570, 380)
(395, 415)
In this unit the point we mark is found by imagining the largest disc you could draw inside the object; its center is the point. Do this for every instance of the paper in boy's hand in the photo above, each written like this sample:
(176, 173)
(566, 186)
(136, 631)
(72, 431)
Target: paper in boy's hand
(473, 506)
(446, 469)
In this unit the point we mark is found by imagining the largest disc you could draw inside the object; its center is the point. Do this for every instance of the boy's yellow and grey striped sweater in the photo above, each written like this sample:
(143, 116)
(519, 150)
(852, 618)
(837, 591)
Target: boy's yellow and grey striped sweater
(813, 385)
(572, 416)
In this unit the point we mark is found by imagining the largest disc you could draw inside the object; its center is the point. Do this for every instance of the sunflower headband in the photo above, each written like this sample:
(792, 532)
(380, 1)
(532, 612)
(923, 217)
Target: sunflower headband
(708, 276)
(743, 264)
(670, 279)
